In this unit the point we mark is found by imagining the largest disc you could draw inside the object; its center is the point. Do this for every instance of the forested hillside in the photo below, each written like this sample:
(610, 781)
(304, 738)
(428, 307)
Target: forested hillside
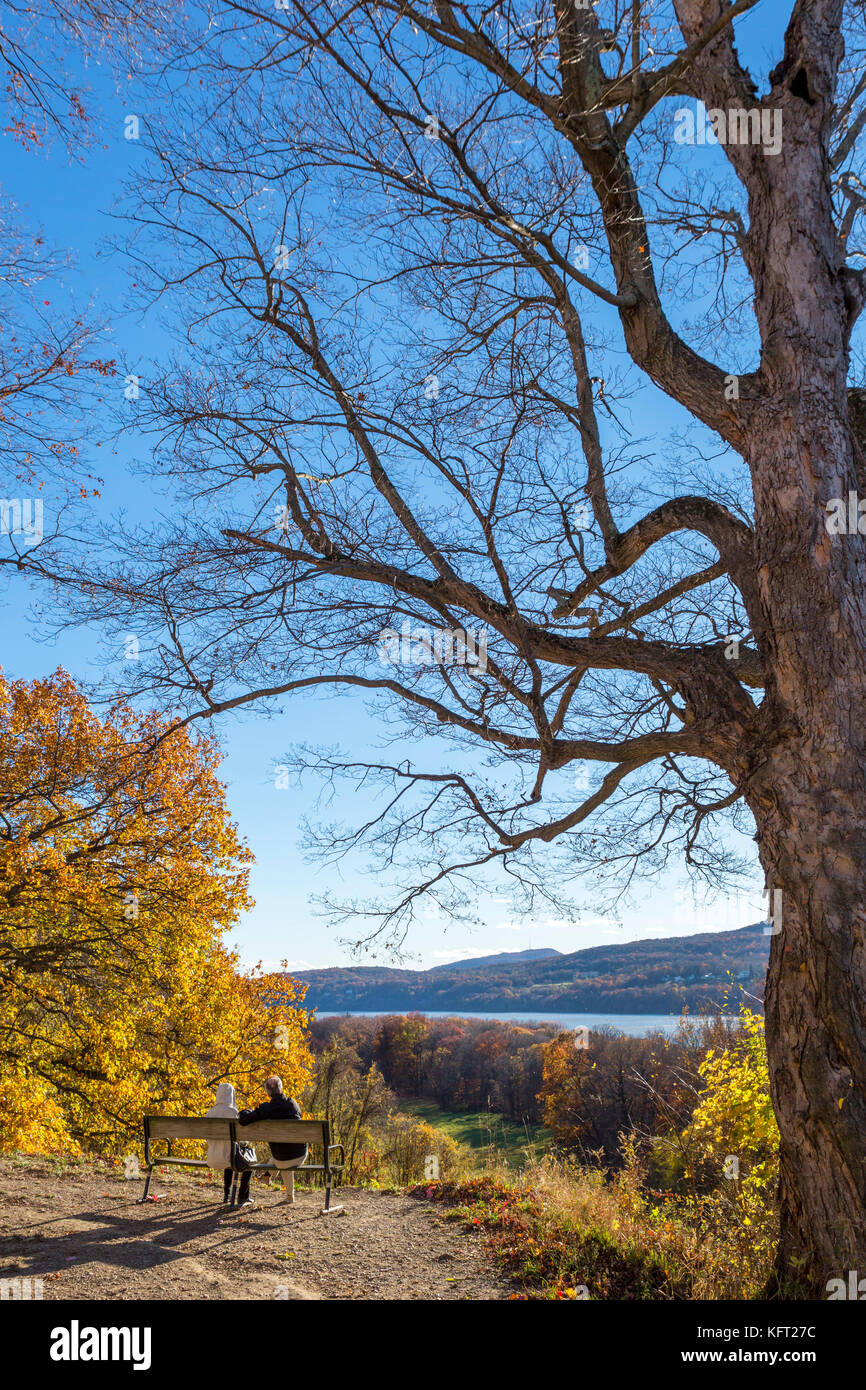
(501, 958)
(659, 976)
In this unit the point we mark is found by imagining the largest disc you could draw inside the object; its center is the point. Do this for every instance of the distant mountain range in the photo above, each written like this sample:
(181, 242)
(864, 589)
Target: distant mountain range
(658, 976)
(504, 958)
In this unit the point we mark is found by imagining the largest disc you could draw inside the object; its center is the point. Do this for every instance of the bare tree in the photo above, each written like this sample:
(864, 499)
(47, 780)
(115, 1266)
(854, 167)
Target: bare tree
(402, 237)
(51, 367)
(44, 48)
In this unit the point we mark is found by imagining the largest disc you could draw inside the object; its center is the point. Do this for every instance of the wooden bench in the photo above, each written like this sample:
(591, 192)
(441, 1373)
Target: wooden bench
(315, 1132)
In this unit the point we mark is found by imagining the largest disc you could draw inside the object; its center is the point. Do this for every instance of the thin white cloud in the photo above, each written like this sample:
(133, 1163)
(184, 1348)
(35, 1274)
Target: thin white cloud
(558, 924)
(270, 965)
(464, 955)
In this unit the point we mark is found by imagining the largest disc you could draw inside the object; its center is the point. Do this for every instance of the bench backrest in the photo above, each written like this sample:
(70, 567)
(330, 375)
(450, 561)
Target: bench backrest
(280, 1131)
(284, 1131)
(183, 1127)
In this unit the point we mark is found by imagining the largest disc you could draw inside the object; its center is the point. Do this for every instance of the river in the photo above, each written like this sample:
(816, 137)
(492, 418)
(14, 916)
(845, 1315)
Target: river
(635, 1025)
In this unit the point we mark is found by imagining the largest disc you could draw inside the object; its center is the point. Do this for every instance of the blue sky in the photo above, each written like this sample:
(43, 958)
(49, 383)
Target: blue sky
(73, 202)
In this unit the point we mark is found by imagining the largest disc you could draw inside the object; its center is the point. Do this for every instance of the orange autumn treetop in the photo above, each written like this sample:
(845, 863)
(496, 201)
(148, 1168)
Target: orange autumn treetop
(120, 875)
(87, 801)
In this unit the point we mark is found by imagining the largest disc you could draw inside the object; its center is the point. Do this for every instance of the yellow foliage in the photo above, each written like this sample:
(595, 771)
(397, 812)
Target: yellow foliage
(732, 1142)
(411, 1143)
(120, 876)
(33, 1116)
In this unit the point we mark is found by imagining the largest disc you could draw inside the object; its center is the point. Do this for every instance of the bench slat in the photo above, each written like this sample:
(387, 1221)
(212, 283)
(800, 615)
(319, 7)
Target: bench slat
(283, 1131)
(181, 1162)
(183, 1127)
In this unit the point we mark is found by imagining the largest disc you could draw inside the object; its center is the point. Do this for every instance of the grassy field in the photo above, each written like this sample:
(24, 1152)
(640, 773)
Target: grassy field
(487, 1135)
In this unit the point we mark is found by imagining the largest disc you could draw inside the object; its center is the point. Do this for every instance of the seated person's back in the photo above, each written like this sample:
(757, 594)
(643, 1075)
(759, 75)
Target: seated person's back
(277, 1107)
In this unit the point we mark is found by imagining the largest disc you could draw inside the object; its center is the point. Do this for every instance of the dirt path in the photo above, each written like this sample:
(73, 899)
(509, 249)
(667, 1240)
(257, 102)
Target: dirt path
(85, 1235)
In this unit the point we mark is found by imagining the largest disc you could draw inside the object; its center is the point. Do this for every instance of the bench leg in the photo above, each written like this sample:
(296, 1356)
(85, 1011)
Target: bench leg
(233, 1190)
(143, 1197)
(327, 1209)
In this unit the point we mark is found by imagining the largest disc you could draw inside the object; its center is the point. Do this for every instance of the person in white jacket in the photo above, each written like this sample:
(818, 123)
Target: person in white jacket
(219, 1150)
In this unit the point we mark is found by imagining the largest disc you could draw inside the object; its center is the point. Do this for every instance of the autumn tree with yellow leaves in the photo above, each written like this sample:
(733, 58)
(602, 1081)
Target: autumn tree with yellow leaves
(120, 876)
(732, 1143)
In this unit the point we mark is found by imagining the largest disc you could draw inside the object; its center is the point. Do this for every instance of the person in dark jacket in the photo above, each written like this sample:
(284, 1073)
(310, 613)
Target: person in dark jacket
(278, 1106)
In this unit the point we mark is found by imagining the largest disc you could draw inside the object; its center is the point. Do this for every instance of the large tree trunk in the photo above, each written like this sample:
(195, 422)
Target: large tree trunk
(807, 781)
(813, 843)
(807, 790)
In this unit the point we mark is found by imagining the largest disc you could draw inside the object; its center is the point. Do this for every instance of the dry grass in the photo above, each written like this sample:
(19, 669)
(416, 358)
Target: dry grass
(568, 1232)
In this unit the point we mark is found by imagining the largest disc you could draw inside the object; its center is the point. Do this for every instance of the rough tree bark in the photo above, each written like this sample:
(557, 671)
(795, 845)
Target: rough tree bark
(807, 787)
(804, 773)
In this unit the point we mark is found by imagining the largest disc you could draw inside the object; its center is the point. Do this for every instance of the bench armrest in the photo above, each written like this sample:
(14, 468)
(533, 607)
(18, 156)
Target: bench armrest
(342, 1162)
